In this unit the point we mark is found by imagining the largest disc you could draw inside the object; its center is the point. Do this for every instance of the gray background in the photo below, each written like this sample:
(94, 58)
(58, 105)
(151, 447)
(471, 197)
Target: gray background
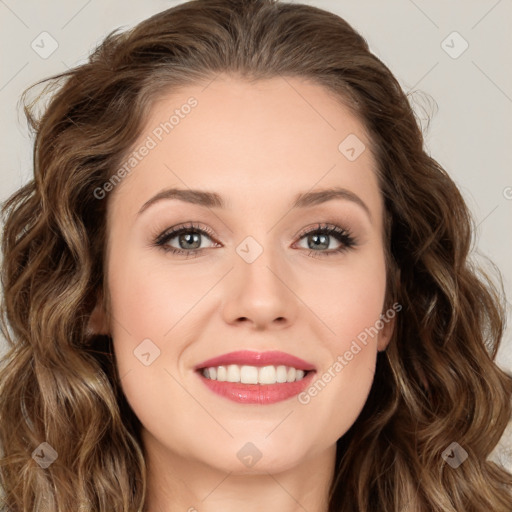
(469, 92)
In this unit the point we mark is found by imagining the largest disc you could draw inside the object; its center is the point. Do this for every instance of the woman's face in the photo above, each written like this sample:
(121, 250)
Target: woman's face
(248, 276)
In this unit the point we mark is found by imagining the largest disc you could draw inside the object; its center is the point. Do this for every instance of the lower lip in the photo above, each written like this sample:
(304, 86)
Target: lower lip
(257, 393)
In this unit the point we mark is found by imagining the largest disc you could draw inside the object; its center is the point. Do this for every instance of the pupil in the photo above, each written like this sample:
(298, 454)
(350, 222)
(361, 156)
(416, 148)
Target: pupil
(324, 243)
(190, 238)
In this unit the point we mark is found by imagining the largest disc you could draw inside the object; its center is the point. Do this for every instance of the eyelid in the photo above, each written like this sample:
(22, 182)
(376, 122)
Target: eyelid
(188, 226)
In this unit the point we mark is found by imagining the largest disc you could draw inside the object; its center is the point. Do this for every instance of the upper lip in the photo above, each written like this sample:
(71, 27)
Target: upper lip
(254, 358)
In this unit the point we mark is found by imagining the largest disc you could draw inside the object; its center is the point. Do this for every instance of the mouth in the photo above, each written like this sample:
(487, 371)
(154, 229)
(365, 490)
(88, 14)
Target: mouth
(256, 377)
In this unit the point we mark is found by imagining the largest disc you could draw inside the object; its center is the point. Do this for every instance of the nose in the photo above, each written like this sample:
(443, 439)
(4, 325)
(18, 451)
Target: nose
(260, 294)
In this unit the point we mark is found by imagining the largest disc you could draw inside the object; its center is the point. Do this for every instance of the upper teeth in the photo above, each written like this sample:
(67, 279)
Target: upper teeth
(253, 374)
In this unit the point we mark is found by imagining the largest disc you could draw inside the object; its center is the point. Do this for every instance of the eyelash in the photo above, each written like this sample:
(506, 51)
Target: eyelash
(343, 236)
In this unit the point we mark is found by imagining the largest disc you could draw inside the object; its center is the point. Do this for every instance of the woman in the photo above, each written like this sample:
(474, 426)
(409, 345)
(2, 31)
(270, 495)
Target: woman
(237, 281)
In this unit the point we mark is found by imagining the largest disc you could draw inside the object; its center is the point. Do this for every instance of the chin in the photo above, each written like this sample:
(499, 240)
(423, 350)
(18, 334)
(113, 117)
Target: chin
(246, 457)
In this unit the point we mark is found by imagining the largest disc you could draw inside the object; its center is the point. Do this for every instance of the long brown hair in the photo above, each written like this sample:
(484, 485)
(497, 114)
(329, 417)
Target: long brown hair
(436, 384)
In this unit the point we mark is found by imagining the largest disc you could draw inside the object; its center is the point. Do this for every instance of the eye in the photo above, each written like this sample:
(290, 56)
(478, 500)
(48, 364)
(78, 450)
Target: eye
(320, 237)
(187, 237)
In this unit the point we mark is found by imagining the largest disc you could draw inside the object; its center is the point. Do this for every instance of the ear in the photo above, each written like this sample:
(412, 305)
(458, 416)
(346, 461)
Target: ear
(98, 323)
(385, 333)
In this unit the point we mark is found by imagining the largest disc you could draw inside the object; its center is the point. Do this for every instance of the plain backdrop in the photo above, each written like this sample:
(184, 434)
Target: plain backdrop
(452, 57)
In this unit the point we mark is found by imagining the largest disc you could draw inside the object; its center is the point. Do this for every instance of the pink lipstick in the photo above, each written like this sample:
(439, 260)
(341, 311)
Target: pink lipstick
(256, 377)
(249, 357)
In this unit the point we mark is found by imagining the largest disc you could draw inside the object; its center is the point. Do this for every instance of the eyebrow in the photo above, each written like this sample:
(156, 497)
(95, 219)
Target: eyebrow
(214, 200)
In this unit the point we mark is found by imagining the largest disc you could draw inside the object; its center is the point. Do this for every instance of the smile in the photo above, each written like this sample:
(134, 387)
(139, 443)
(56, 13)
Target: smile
(256, 377)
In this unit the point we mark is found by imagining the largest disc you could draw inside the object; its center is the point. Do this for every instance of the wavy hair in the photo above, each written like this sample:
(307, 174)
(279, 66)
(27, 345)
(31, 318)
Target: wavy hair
(437, 382)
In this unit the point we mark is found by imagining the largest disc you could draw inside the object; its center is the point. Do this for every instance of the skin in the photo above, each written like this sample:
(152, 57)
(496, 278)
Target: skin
(257, 145)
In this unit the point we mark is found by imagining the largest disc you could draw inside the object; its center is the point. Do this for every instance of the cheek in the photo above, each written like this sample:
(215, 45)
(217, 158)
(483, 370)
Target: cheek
(350, 304)
(148, 300)
(340, 389)
(338, 394)
(349, 300)
(149, 312)
(157, 312)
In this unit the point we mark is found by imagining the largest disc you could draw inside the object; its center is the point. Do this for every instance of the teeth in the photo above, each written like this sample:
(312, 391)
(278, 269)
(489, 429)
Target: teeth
(221, 373)
(254, 374)
(249, 375)
(233, 373)
(281, 374)
(267, 375)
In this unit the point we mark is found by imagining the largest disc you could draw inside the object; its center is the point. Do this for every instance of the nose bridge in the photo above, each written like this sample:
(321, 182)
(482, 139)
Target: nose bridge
(258, 289)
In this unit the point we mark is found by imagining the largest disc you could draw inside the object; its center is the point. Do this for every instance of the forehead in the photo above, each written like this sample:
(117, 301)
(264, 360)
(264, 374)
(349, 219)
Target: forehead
(250, 140)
